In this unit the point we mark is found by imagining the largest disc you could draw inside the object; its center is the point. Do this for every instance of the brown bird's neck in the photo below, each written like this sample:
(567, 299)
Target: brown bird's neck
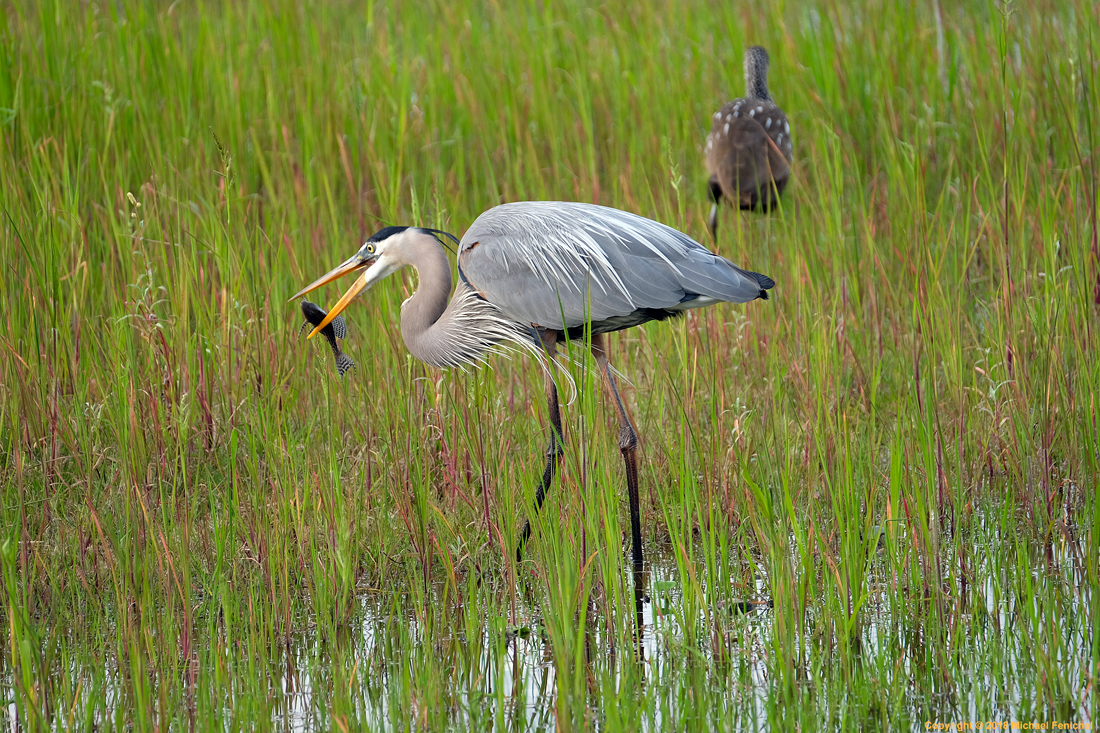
(421, 312)
(756, 74)
(757, 87)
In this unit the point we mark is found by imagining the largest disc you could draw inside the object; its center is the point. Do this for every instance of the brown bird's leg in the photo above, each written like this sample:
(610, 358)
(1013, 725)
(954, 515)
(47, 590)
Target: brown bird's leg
(716, 196)
(557, 443)
(628, 445)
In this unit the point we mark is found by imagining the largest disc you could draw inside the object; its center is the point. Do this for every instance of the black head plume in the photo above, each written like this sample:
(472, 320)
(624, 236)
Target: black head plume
(385, 233)
(448, 235)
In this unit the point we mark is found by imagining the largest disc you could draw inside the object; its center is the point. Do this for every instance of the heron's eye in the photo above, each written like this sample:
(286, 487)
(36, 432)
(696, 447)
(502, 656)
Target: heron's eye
(370, 249)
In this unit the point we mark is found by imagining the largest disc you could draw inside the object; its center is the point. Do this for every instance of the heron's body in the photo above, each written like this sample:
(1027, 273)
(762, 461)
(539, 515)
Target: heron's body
(582, 263)
(536, 273)
(748, 151)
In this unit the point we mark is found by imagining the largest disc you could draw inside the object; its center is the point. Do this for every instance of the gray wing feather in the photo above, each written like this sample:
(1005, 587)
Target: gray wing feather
(557, 264)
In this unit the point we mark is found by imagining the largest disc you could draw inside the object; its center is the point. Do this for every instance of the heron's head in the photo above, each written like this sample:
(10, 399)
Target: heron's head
(756, 73)
(380, 256)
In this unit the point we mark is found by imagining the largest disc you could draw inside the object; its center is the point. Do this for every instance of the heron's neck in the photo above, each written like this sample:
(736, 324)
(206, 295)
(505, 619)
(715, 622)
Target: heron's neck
(421, 312)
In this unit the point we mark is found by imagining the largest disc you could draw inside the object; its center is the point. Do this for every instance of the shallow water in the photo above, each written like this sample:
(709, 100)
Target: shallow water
(391, 669)
(524, 674)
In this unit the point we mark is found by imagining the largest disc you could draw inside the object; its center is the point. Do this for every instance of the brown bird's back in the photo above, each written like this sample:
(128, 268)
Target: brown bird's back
(748, 148)
(748, 151)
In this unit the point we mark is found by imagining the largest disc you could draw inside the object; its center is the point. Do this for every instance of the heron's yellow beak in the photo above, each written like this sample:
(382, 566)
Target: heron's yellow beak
(353, 264)
(342, 304)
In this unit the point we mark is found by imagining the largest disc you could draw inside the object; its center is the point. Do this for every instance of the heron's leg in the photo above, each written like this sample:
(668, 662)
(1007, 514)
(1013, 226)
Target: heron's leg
(628, 446)
(640, 598)
(557, 443)
(716, 196)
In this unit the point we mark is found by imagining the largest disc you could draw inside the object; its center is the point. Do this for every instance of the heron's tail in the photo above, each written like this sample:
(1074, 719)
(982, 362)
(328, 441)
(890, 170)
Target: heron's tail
(765, 282)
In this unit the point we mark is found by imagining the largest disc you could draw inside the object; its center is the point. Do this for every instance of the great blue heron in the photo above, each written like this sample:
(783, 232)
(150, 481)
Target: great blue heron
(536, 273)
(748, 151)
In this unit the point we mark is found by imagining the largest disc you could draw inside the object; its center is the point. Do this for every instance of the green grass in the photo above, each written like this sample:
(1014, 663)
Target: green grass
(200, 526)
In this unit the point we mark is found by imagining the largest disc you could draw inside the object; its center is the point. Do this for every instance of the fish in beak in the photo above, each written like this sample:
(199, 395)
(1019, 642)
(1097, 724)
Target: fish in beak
(357, 262)
(338, 329)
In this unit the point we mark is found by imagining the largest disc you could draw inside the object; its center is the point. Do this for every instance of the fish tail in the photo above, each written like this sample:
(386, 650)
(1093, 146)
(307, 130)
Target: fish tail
(343, 363)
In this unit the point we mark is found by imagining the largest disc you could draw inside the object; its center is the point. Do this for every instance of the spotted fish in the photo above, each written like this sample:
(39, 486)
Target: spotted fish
(338, 329)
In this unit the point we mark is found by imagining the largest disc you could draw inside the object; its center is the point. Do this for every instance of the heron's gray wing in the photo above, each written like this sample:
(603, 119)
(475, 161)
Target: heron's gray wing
(557, 264)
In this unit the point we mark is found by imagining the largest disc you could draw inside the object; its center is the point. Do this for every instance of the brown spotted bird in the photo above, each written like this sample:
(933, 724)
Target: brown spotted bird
(337, 329)
(748, 150)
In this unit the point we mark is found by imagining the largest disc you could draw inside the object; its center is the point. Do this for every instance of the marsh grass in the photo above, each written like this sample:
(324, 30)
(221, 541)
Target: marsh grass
(203, 527)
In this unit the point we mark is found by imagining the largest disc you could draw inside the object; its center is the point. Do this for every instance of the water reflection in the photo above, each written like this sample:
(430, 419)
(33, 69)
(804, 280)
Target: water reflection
(477, 667)
(640, 598)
